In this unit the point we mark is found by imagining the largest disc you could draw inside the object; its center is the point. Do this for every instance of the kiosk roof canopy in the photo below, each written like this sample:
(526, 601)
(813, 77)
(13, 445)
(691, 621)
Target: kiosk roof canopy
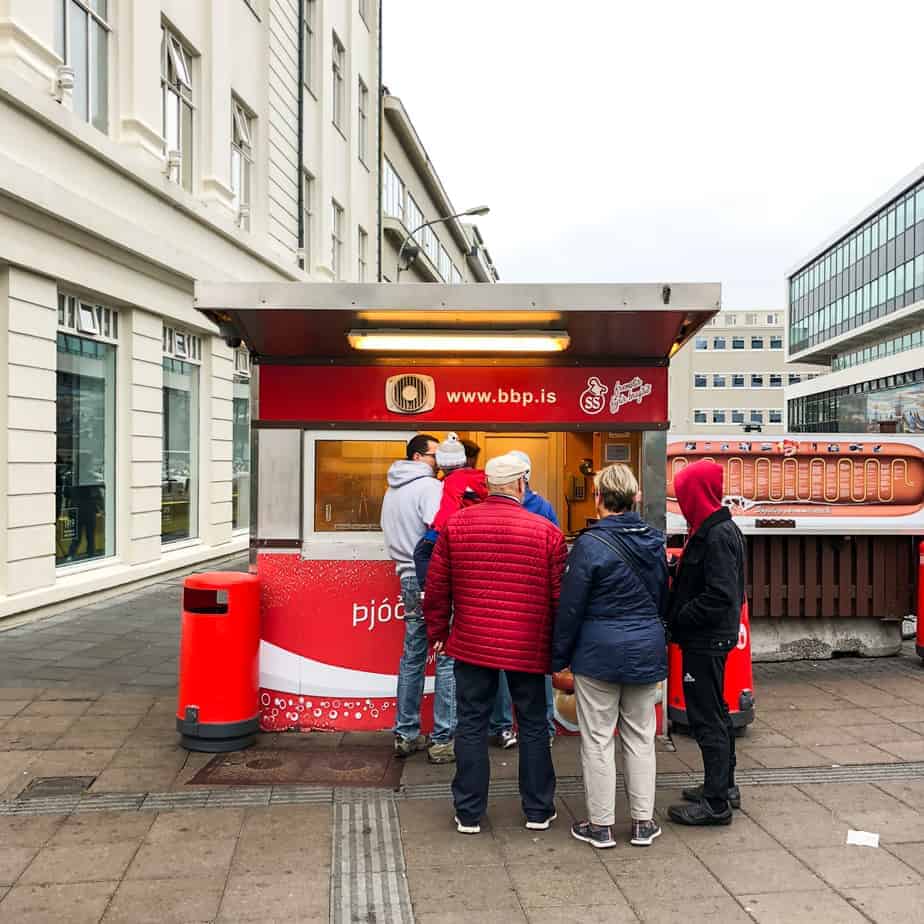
(606, 323)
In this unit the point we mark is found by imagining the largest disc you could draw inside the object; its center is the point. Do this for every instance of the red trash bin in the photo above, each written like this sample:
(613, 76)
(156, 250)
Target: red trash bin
(218, 700)
(739, 679)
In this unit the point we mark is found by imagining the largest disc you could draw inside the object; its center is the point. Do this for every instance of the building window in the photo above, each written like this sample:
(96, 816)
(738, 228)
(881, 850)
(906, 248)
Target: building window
(177, 107)
(308, 219)
(737, 417)
(718, 380)
(737, 343)
(757, 343)
(85, 432)
(362, 246)
(363, 126)
(241, 162)
(180, 465)
(82, 41)
(456, 276)
(776, 343)
(757, 380)
(776, 380)
(773, 319)
(413, 214)
(338, 67)
(794, 378)
(718, 416)
(776, 417)
(309, 54)
(240, 450)
(757, 417)
(702, 343)
(718, 343)
(738, 380)
(731, 320)
(445, 263)
(393, 193)
(336, 238)
(431, 244)
(699, 381)
(699, 417)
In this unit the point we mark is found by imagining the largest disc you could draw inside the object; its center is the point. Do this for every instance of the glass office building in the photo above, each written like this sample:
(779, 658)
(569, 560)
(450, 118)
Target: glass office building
(857, 305)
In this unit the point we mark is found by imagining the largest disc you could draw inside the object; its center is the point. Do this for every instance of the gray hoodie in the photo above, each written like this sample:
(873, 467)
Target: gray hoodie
(410, 506)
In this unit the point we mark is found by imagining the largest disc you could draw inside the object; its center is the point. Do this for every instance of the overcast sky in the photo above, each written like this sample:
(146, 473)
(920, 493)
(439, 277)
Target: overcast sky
(649, 140)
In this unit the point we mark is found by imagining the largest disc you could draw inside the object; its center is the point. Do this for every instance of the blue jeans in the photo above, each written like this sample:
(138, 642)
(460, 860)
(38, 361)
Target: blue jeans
(502, 716)
(411, 674)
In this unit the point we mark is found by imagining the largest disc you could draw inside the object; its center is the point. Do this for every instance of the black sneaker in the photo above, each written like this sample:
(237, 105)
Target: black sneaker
(644, 833)
(542, 825)
(595, 835)
(695, 794)
(700, 813)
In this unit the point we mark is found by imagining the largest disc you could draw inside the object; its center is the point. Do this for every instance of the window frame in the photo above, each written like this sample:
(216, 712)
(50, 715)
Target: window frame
(362, 245)
(336, 238)
(701, 344)
(309, 49)
(362, 118)
(338, 83)
(62, 42)
(308, 194)
(174, 54)
(242, 149)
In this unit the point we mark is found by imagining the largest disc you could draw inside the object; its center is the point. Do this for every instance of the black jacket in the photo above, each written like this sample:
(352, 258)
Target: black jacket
(609, 614)
(708, 591)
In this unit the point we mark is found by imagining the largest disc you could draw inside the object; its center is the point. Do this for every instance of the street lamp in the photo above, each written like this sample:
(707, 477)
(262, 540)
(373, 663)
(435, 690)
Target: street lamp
(478, 210)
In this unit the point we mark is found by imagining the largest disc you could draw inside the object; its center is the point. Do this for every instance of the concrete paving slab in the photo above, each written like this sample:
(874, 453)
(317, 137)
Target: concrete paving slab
(28, 830)
(448, 847)
(10, 707)
(721, 910)
(135, 779)
(801, 908)
(192, 858)
(91, 828)
(39, 904)
(888, 905)
(171, 902)
(910, 854)
(742, 835)
(459, 887)
(650, 879)
(507, 916)
(799, 828)
(849, 867)
(774, 868)
(80, 863)
(13, 860)
(899, 826)
(266, 857)
(219, 823)
(563, 885)
(581, 914)
(881, 732)
(297, 897)
(517, 845)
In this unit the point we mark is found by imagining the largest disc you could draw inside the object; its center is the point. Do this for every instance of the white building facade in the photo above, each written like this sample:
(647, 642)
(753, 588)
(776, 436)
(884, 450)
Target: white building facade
(732, 375)
(856, 303)
(146, 144)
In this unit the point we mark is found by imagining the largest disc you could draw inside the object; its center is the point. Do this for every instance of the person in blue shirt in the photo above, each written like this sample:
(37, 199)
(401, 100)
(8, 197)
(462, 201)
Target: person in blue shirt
(501, 726)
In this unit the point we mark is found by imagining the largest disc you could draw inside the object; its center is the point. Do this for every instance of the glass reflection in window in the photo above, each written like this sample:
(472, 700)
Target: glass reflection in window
(240, 454)
(85, 454)
(180, 458)
(350, 481)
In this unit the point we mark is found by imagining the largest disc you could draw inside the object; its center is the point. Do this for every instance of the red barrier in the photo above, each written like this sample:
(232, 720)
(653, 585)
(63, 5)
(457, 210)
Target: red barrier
(739, 679)
(217, 708)
(919, 640)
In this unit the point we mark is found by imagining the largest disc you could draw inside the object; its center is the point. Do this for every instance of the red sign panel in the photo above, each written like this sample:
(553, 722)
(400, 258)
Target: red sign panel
(611, 396)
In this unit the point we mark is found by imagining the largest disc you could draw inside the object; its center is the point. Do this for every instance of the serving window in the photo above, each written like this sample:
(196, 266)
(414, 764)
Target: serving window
(348, 479)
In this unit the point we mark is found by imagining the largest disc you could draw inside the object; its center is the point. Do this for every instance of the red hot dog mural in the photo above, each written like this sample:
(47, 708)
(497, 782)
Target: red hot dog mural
(818, 482)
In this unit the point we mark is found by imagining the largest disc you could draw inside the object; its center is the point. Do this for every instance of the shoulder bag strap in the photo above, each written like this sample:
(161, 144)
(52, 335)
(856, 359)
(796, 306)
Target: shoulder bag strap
(617, 546)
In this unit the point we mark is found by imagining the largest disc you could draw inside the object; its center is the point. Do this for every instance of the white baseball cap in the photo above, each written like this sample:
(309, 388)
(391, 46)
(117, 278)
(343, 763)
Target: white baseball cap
(505, 469)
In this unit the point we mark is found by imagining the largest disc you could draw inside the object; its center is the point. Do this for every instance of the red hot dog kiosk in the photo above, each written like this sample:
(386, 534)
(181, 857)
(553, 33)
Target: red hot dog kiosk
(344, 375)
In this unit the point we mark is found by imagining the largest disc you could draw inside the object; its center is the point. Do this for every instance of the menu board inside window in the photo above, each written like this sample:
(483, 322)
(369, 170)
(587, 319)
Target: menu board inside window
(350, 480)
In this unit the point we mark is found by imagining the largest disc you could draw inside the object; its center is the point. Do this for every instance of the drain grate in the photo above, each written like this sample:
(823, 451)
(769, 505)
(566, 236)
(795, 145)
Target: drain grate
(363, 767)
(44, 786)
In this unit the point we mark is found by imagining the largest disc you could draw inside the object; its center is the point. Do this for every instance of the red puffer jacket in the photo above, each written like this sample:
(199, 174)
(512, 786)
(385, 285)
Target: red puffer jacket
(496, 570)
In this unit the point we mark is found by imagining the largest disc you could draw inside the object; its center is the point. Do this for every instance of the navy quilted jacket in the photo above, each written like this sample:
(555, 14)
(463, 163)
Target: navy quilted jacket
(609, 618)
(496, 570)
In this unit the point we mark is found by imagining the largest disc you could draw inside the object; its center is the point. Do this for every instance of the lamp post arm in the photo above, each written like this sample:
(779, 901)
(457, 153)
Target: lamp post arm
(426, 224)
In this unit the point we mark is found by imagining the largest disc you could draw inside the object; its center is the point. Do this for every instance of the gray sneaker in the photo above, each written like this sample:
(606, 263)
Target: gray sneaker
(442, 752)
(404, 747)
(595, 835)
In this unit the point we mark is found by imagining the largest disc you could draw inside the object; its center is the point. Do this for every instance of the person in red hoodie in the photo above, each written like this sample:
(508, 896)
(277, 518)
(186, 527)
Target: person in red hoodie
(492, 594)
(704, 616)
(463, 485)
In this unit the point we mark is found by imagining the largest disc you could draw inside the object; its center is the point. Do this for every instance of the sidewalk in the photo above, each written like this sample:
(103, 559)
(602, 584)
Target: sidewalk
(90, 693)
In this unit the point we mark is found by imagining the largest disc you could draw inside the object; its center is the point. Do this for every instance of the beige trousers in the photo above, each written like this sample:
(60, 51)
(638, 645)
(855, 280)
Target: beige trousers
(602, 708)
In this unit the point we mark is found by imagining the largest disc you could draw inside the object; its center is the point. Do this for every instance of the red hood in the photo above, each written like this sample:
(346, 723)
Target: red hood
(699, 492)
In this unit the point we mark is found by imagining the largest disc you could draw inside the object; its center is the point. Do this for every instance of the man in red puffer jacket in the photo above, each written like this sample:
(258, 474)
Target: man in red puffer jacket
(492, 592)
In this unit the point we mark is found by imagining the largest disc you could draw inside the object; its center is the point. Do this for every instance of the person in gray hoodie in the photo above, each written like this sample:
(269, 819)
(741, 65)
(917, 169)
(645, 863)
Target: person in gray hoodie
(410, 506)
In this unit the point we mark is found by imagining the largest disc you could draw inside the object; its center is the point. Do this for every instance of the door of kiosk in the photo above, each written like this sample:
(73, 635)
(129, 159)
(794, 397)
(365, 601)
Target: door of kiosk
(328, 420)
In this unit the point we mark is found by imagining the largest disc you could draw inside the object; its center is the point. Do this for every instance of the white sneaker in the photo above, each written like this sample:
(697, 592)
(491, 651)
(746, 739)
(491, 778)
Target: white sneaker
(467, 829)
(541, 825)
(508, 738)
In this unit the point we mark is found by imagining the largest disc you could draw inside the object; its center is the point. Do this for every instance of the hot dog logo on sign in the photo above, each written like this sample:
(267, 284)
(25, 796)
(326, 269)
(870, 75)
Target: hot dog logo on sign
(805, 480)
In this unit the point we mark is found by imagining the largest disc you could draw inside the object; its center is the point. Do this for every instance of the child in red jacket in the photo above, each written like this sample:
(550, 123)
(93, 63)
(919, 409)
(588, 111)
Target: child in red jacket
(463, 485)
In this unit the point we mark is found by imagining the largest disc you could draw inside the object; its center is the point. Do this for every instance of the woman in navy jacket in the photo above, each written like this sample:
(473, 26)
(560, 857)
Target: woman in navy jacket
(610, 631)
